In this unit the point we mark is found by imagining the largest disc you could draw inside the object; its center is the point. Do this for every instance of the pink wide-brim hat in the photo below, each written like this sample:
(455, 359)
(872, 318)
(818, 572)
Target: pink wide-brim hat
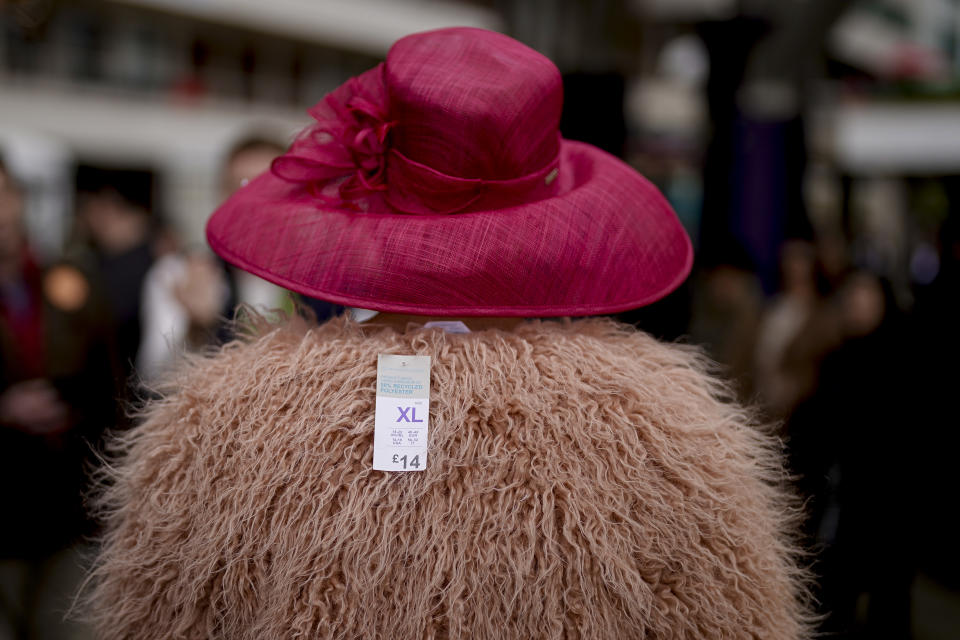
(437, 184)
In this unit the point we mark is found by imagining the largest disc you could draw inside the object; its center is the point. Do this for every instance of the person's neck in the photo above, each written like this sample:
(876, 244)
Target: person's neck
(400, 321)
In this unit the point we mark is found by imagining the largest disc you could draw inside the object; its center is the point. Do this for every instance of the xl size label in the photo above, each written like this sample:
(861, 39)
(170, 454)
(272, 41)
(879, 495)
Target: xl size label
(402, 414)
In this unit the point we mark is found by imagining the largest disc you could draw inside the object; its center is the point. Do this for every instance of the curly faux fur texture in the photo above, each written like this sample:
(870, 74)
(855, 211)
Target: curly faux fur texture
(584, 481)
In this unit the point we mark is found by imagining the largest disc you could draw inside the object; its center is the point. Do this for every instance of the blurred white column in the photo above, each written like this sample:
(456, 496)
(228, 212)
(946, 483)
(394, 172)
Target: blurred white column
(44, 167)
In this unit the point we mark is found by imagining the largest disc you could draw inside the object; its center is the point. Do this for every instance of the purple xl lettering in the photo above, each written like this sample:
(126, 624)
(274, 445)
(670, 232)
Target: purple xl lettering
(412, 417)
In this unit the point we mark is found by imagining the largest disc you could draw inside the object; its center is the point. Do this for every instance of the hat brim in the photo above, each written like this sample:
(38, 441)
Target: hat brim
(607, 242)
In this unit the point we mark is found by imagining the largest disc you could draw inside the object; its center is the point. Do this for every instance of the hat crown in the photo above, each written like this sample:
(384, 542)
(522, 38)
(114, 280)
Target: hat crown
(473, 103)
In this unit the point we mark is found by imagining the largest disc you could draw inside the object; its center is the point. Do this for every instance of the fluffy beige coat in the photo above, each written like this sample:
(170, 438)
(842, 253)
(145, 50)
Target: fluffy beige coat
(584, 481)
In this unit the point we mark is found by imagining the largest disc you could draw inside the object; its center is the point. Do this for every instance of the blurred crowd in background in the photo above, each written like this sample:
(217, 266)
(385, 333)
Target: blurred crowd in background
(810, 147)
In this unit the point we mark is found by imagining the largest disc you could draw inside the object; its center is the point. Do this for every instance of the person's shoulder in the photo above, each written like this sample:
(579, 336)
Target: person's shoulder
(602, 333)
(274, 375)
(672, 387)
(619, 352)
(266, 353)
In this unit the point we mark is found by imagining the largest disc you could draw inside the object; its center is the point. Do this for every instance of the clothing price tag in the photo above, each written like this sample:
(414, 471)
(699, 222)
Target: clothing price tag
(402, 413)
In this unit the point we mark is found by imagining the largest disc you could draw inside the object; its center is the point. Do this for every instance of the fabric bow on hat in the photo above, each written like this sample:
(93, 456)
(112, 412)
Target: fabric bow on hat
(343, 156)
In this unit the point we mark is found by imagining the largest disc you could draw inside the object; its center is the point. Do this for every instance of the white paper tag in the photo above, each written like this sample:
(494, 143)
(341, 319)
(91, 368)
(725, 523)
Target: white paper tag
(402, 414)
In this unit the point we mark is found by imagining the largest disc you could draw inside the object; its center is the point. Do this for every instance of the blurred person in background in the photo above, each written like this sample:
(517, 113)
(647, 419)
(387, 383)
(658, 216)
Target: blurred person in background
(780, 382)
(727, 302)
(114, 211)
(861, 467)
(186, 299)
(246, 159)
(831, 361)
(188, 296)
(812, 285)
(57, 372)
(935, 322)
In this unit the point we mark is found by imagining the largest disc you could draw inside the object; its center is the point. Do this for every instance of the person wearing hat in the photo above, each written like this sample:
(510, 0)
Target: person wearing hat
(562, 479)
(58, 369)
